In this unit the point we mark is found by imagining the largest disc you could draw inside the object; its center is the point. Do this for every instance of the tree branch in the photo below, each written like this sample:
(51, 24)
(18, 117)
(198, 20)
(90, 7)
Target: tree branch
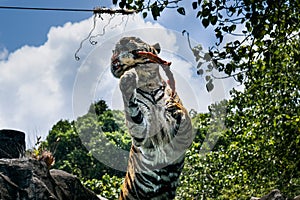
(100, 10)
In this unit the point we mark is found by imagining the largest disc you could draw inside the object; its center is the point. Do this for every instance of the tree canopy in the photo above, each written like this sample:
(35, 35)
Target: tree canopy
(259, 25)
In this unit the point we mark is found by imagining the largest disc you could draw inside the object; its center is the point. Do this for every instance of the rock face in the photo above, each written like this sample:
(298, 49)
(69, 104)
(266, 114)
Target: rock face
(275, 195)
(12, 144)
(29, 179)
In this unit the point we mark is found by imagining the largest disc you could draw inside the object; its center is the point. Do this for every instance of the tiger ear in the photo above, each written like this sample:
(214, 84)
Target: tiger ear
(156, 47)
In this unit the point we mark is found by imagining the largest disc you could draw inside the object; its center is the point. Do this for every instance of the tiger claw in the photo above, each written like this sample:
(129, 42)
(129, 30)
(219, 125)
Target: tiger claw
(174, 108)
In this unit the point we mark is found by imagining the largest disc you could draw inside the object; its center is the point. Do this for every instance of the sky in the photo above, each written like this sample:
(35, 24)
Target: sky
(41, 82)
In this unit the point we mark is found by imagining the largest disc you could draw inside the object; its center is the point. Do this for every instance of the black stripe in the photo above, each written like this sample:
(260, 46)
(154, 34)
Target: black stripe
(139, 140)
(138, 119)
(141, 178)
(160, 97)
(141, 92)
(152, 94)
(151, 178)
(140, 101)
(131, 191)
(134, 150)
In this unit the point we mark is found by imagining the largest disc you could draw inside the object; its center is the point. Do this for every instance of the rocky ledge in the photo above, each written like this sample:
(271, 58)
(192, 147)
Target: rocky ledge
(31, 179)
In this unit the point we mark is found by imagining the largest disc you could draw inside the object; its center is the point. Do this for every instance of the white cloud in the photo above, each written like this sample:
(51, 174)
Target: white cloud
(3, 53)
(37, 82)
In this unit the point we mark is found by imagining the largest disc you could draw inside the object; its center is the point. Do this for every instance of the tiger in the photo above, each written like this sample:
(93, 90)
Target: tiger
(159, 124)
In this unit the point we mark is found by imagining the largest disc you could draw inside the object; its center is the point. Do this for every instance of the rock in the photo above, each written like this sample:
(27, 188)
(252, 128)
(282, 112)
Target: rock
(30, 179)
(101, 198)
(297, 197)
(69, 186)
(12, 144)
(273, 195)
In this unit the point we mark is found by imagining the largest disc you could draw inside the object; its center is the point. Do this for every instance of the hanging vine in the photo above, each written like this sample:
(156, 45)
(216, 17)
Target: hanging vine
(97, 13)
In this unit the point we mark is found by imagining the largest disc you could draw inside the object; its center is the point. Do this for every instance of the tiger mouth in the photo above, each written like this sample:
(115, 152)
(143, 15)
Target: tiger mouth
(117, 69)
(117, 61)
(116, 64)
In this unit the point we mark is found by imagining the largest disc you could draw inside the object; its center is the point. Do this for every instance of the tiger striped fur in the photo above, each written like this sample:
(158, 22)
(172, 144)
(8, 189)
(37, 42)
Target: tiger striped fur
(159, 125)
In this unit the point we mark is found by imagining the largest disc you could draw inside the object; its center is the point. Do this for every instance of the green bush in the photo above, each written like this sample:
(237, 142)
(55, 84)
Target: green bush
(108, 187)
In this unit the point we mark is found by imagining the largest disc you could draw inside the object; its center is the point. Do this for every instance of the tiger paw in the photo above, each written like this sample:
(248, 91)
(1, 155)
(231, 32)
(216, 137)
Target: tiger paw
(175, 108)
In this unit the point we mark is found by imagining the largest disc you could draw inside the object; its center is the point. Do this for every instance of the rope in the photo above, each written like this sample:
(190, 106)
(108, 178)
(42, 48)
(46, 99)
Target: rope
(96, 10)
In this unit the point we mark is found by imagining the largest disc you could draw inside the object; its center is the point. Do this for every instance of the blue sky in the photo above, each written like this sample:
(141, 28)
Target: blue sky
(27, 27)
(42, 83)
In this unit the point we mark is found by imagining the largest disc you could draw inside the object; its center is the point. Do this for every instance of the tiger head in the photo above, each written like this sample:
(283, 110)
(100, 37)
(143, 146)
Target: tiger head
(125, 54)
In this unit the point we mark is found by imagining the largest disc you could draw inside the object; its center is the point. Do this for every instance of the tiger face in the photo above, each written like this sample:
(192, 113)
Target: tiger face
(125, 55)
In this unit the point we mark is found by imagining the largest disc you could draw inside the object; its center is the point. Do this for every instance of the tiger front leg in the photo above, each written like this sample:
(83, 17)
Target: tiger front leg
(128, 84)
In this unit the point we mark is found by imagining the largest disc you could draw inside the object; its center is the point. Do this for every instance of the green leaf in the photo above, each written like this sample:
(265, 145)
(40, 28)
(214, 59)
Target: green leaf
(207, 78)
(232, 28)
(213, 20)
(155, 11)
(205, 12)
(121, 4)
(237, 43)
(195, 52)
(181, 10)
(209, 86)
(240, 78)
(145, 15)
(199, 65)
(200, 72)
(205, 22)
(232, 9)
(199, 14)
(194, 5)
(207, 57)
(240, 11)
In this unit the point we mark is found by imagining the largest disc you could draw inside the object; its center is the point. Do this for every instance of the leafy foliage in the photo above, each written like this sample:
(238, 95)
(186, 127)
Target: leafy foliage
(70, 152)
(108, 186)
(155, 7)
(259, 148)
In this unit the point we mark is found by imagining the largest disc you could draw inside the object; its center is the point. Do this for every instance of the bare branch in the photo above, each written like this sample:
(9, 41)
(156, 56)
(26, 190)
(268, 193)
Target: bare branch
(232, 75)
(100, 10)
